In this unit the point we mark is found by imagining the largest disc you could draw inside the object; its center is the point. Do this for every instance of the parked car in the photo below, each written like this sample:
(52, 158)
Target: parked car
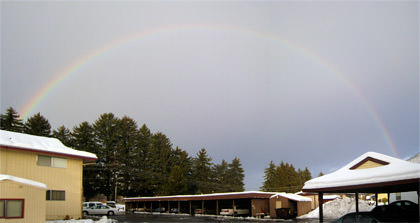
(368, 217)
(91, 204)
(398, 211)
(234, 212)
(199, 211)
(160, 210)
(120, 207)
(100, 210)
(406, 205)
(111, 204)
(176, 211)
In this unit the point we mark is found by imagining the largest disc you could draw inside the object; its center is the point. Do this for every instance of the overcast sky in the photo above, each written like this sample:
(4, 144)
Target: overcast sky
(315, 84)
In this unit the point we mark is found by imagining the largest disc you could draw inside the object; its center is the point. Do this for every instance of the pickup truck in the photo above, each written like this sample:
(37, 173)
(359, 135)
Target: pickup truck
(234, 212)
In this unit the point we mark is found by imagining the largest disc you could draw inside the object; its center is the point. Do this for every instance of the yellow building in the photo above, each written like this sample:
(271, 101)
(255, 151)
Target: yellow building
(48, 161)
(21, 199)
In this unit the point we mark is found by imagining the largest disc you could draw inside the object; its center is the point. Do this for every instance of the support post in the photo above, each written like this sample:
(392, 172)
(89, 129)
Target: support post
(151, 206)
(418, 202)
(202, 206)
(320, 202)
(190, 208)
(357, 202)
(376, 199)
(169, 207)
(179, 207)
(233, 208)
(217, 207)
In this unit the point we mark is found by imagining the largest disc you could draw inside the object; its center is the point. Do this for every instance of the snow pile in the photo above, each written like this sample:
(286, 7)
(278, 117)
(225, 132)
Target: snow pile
(104, 219)
(338, 207)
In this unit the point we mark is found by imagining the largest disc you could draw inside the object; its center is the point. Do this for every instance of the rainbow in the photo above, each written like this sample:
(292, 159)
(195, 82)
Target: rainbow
(78, 64)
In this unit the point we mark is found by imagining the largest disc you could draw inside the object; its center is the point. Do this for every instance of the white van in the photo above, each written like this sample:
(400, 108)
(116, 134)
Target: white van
(91, 204)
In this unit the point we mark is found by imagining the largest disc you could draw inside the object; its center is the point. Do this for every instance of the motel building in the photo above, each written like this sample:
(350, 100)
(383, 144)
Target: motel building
(40, 178)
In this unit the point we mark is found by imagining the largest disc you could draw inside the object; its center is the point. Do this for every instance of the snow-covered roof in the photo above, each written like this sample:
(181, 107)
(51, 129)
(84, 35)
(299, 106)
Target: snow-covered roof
(325, 196)
(41, 144)
(390, 170)
(294, 197)
(206, 196)
(229, 195)
(415, 158)
(4, 177)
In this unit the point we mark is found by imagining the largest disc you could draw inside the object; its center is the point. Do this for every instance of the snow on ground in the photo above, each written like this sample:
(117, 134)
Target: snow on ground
(104, 219)
(338, 207)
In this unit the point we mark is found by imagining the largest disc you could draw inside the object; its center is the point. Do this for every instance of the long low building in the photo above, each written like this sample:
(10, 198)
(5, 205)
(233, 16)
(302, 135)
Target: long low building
(250, 203)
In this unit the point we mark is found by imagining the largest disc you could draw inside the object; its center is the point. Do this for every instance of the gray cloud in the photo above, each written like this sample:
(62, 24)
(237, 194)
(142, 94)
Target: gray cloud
(261, 81)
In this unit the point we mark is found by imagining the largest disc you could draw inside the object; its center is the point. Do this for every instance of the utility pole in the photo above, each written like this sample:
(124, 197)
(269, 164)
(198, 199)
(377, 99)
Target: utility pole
(115, 176)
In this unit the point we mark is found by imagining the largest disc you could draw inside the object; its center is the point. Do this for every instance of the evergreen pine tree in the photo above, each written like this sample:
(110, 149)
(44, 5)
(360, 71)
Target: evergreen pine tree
(38, 125)
(271, 176)
(292, 181)
(64, 135)
(177, 182)
(142, 166)
(180, 159)
(106, 137)
(160, 166)
(282, 176)
(202, 172)
(306, 175)
(84, 139)
(300, 178)
(11, 121)
(221, 177)
(236, 176)
(127, 144)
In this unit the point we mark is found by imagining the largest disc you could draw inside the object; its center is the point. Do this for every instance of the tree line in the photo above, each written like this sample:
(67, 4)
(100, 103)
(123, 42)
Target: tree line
(284, 177)
(136, 162)
(132, 160)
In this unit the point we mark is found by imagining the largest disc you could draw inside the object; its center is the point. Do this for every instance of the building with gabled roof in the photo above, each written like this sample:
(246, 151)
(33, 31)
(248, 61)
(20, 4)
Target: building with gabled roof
(21, 199)
(47, 161)
(369, 173)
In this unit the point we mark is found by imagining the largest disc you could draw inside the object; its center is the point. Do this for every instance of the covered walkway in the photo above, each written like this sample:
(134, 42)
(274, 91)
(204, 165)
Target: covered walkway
(369, 173)
(252, 203)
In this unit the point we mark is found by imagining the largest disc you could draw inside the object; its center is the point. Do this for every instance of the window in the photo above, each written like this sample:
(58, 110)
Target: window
(51, 161)
(56, 195)
(398, 196)
(11, 208)
(1, 208)
(44, 160)
(59, 162)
